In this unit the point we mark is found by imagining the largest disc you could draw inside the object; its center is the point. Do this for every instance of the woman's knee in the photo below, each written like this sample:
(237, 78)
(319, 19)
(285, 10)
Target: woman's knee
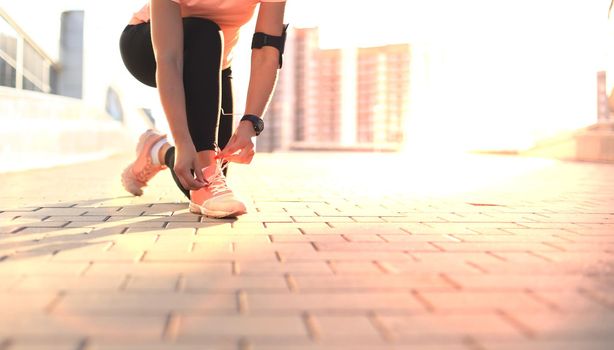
(137, 53)
(200, 29)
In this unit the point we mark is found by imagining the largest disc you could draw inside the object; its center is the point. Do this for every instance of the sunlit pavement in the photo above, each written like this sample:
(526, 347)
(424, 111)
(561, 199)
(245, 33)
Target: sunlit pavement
(338, 251)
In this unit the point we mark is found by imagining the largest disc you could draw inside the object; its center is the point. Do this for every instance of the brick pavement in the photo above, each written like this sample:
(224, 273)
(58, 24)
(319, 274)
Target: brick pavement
(339, 251)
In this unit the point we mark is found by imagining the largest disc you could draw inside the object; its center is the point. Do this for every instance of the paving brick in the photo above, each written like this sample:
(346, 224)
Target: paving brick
(496, 247)
(308, 238)
(61, 211)
(567, 344)
(24, 345)
(369, 219)
(375, 247)
(426, 218)
(572, 301)
(278, 268)
(88, 218)
(428, 327)
(96, 252)
(364, 238)
(54, 328)
(517, 261)
(160, 283)
(293, 225)
(474, 302)
(191, 225)
(316, 219)
(446, 265)
(363, 345)
(16, 266)
(588, 325)
(37, 283)
(442, 238)
(349, 302)
(222, 254)
(380, 282)
(513, 282)
(360, 255)
(353, 229)
(586, 238)
(23, 303)
(345, 267)
(161, 303)
(132, 221)
(542, 238)
(232, 283)
(213, 345)
(17, 224)
(438, 228)
(355, 329)
(595, 247)
(158, 269)
(282, 247)
(282, 327)
(269, 218)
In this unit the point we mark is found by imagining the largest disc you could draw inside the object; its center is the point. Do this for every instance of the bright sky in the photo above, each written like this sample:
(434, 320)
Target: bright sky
(42, 24)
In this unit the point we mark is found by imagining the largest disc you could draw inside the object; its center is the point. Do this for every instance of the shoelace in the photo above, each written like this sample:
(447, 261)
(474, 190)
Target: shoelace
(145, 174)
(218, 183)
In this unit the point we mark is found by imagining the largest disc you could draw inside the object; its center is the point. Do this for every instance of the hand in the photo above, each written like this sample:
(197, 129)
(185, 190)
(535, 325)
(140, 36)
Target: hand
(240, 141)
(186, 161)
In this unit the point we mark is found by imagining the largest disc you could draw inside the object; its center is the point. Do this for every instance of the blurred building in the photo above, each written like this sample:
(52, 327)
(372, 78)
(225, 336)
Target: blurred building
(324, 124)
(41, 98)
(70, 76)
(383, 94)
(344, 98)
(23, 64)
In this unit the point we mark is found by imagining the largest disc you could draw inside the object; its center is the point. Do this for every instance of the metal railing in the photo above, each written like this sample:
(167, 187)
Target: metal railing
(23, 64)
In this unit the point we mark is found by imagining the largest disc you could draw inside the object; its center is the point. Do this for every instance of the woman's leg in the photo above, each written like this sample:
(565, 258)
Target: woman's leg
(226, 119)
(137, 53)
(202, 83)
(201, 80)
(224, 130)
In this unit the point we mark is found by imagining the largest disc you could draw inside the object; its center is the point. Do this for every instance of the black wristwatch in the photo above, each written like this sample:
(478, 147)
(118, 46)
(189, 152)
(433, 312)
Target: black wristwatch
(256, 121)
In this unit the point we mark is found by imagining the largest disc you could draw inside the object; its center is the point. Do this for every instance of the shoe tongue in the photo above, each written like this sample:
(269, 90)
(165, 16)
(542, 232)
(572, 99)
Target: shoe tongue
(210, 173)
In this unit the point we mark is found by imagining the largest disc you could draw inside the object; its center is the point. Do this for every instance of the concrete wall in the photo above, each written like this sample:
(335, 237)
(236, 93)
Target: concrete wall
(42, 130)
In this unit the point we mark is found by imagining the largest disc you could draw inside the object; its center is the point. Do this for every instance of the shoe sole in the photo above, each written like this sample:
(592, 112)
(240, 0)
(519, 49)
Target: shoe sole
(129, 181)
(216, 214)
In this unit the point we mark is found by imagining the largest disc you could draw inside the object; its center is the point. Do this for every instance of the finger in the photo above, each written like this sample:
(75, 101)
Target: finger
(234, 158)
(230, 148)
(224, 150)
(198, 174)
(179, 172)
(187, 180)
(244, 155)
(193, 184)
(250, 157)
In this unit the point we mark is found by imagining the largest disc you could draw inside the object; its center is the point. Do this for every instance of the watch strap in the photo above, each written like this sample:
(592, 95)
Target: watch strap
(256, 121)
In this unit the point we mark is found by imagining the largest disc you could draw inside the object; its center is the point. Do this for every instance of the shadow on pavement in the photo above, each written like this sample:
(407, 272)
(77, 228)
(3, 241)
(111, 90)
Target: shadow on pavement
(54, 230)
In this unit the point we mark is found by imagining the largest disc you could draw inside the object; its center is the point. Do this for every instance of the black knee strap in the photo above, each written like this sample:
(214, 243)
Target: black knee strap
(261, 39)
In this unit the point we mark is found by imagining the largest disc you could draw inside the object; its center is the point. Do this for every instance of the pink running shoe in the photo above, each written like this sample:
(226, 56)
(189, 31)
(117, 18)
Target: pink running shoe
(138, 173)
(215, 200)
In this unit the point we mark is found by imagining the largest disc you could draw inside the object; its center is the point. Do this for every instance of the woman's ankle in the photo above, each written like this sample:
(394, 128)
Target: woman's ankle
(162, 153)
(207, 158)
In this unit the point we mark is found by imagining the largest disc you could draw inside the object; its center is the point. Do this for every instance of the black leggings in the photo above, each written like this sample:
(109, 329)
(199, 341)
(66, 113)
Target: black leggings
(202, 80)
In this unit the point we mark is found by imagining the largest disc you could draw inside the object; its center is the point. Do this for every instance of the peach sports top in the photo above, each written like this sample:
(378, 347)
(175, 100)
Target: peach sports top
(230, 15)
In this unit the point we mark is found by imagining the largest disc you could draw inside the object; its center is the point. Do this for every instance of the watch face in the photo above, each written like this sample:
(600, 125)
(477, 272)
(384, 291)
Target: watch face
(259, 126)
